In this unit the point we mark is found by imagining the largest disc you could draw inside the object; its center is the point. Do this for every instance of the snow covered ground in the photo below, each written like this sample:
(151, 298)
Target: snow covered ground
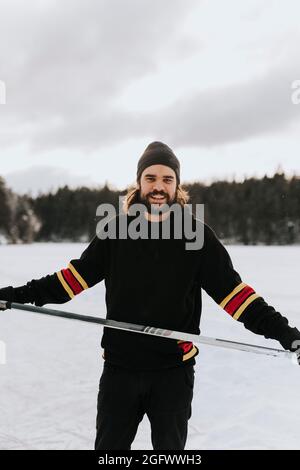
(49, 385)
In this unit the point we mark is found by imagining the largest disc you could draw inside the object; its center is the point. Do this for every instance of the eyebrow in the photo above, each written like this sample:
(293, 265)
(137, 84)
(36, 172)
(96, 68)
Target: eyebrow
(149, 175)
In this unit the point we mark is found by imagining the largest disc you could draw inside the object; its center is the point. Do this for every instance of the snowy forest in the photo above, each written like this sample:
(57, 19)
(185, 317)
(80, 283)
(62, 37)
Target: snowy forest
(255, 211)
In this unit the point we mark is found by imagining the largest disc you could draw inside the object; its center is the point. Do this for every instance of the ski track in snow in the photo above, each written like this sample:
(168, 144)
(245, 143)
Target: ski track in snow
(50, 383)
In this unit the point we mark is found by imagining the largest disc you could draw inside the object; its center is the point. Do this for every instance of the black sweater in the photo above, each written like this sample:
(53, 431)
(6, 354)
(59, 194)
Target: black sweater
(157, 283)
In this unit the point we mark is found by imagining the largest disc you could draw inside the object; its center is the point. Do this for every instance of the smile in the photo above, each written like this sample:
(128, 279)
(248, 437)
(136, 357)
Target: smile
(158, 198)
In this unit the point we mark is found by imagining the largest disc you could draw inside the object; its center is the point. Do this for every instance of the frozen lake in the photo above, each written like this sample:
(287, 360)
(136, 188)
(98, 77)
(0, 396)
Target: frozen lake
(49, 384)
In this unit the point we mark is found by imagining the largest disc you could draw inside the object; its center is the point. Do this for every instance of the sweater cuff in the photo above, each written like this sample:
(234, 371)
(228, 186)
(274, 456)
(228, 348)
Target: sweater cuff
(23, 294)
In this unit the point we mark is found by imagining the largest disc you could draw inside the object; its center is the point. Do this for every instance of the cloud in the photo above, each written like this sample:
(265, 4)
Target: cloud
(68, 61)
(207, 118)
(235, 113)
(71, 60)
(44, 179)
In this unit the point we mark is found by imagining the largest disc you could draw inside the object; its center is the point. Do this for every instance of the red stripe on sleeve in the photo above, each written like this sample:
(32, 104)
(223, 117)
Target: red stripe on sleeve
(186, 347)
(237, 301)
(72, 281)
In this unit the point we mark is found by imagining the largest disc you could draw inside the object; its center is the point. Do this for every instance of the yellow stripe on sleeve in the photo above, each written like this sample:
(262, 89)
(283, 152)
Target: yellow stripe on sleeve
(78, 277)
(190, 354)
(250, 299)
(232, 294)
(65, 285)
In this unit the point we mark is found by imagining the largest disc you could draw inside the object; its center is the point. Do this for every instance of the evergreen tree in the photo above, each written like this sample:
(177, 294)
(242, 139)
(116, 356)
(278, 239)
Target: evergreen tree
(5, 213)
(255, 211)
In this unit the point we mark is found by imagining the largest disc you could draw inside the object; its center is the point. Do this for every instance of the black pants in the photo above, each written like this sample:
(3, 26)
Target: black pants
(125, 396)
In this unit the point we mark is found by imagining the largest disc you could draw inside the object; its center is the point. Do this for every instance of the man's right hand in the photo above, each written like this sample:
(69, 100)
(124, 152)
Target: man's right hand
(6, 294)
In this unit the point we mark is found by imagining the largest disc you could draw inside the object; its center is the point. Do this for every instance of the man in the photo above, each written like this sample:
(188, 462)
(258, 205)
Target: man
(155, 282)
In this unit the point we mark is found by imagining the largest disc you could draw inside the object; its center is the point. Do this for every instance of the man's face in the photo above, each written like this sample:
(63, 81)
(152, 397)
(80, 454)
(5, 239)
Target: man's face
(157, 186)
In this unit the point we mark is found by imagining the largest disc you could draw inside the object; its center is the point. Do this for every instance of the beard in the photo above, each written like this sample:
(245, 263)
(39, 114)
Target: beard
(156, 208)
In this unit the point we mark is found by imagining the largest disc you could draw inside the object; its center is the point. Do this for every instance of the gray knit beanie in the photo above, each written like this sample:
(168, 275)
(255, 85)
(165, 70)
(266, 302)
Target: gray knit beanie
(158, 153)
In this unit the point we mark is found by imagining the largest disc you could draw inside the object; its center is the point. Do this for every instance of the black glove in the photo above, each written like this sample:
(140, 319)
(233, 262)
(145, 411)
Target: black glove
(297, 352)
(6, 294)
(290, 340)
(292, 343)
(296, 349)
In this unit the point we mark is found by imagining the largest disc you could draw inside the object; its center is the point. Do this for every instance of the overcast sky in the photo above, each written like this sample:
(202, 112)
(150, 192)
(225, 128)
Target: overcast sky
(90, 83)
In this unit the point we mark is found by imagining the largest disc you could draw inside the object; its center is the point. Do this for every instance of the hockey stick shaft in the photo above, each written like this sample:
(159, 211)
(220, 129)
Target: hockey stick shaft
(131, 327)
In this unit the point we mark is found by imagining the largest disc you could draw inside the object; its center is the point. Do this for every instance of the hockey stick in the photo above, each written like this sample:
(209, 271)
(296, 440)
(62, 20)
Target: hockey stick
(178, 335)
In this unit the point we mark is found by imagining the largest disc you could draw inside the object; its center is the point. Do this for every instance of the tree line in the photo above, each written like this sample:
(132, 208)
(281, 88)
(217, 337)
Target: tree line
(256, 211)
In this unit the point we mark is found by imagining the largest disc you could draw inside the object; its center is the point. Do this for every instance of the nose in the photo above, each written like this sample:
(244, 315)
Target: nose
(158, 186)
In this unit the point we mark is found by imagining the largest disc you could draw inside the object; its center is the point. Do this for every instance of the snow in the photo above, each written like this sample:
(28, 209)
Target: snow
(50, 382)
